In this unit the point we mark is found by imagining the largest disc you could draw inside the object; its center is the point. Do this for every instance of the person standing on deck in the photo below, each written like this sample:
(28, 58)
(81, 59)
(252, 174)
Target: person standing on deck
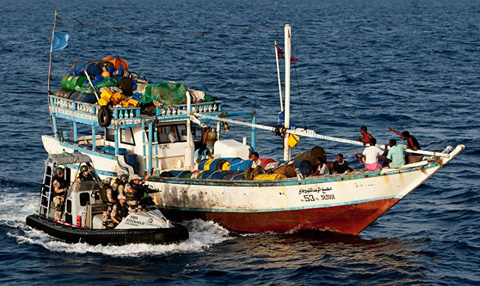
(412, 143)
(370, 156)
(366, 137)
(59, 188)
(84, 174)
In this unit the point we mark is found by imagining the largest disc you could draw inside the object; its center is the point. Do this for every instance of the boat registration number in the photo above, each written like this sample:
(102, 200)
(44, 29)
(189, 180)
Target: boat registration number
(312, 198)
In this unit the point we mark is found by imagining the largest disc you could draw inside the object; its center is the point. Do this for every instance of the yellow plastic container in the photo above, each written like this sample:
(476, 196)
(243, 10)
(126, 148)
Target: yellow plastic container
(269, 177)
(105, 97)
(293, 140)
(117, 98)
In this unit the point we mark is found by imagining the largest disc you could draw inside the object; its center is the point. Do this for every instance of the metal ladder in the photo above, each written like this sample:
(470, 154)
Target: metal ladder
(46, 190)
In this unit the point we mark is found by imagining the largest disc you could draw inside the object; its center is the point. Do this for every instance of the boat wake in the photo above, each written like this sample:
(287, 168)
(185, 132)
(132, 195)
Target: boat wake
(15, 206)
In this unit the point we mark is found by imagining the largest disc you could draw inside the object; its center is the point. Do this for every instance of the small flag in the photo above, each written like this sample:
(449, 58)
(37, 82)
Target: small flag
(280, 54)
(60, 41)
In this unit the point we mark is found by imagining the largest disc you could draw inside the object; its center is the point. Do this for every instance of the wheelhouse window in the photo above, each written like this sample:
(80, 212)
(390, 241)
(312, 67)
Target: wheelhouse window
(126, 136)
(171, 133)
(110, 135)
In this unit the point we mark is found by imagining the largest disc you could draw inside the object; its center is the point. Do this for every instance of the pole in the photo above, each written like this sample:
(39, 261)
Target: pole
(307, 133)
(51, 53)
(189, 148)
(91, 84)
(278, 76)
(288, 45)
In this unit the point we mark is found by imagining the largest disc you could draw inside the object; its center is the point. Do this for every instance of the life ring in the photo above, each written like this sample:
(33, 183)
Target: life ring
(104, 116)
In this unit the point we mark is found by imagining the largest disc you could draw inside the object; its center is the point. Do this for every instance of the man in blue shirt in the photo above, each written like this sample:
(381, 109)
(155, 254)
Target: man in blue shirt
(396, 154)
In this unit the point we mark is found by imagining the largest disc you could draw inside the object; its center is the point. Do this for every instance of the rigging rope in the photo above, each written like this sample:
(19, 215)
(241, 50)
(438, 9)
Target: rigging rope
(300, 94)
(166, 34)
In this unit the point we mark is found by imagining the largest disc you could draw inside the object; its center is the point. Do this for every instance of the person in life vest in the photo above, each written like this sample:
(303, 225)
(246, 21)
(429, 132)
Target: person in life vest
(119, 183)
(119, 211)
(109, 197)
(135, 192)
(84, 174)
(412, 144)
(59, 189)
(365, 136)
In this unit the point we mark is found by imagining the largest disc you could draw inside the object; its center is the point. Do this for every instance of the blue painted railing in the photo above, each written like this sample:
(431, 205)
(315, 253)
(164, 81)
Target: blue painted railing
(204, 107)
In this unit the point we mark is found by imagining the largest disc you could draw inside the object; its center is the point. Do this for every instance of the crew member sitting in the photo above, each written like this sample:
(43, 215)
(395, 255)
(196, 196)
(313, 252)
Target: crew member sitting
(370, 156)
(340, 166)
(322, 169)
(84, 174)
(119, 211)
(256, 169)
(396, 154)
(59, 188)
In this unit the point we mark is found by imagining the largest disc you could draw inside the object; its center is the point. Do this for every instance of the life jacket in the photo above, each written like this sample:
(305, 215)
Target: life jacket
(103, 193)
(86, 179)
(63, 184)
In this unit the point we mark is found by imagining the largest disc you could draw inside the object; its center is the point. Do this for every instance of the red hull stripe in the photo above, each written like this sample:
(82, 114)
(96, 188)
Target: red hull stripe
(347, 219)
(280, 209)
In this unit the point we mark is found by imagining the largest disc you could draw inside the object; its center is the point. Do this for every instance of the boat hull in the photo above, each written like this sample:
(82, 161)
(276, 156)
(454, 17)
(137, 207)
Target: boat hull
(176, 234)
(345, 204)
(349, 219)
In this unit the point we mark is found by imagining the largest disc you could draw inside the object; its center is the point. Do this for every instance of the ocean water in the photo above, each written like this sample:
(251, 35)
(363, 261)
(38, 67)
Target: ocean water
(412, 65)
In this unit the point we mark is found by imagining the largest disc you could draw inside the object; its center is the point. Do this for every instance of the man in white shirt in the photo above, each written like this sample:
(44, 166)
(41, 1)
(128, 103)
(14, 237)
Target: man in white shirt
(257, 167)
(322, 168)
(370, 156)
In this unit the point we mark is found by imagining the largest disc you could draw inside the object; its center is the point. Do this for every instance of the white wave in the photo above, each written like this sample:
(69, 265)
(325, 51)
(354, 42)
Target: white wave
(15, 207)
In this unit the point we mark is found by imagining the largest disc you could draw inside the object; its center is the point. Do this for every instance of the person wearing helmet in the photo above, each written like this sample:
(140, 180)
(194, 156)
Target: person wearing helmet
(119, 183)
(84, 174)
(119, 211)
(109, 197)
(59, 188)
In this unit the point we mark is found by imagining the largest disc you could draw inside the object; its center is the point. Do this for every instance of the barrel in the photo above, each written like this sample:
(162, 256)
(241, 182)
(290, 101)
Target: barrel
(218, 175)
(217, 164)
(304, 166)
(63, 93)
(166, 174)
(65, 79)
(287, 170)
(205, 164)
(206, 174)
(183, 174)
(230, 174)
(312, 155)
(239, 176)
(84, 97)
(75, 81)
(240, 165)
(269, 177)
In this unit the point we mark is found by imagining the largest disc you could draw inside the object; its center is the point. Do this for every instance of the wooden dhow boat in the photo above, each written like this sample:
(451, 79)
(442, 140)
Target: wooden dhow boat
(345, 203)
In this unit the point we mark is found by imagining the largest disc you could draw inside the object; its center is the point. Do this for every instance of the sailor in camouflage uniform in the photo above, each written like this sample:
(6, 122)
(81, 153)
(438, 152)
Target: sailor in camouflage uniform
(59, 188)
(109, 198)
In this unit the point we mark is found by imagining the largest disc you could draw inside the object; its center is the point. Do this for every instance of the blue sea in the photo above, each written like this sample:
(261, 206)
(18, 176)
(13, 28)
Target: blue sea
(413, 65)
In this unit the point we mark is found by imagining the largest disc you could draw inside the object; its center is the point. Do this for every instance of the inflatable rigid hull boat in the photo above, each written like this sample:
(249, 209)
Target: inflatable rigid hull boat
(80, 217)
(176, 233)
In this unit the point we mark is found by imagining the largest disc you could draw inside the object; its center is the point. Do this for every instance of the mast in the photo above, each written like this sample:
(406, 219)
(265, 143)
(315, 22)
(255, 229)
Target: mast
(288, 46)
(51, 47)
(190, 147)
(278, 76)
